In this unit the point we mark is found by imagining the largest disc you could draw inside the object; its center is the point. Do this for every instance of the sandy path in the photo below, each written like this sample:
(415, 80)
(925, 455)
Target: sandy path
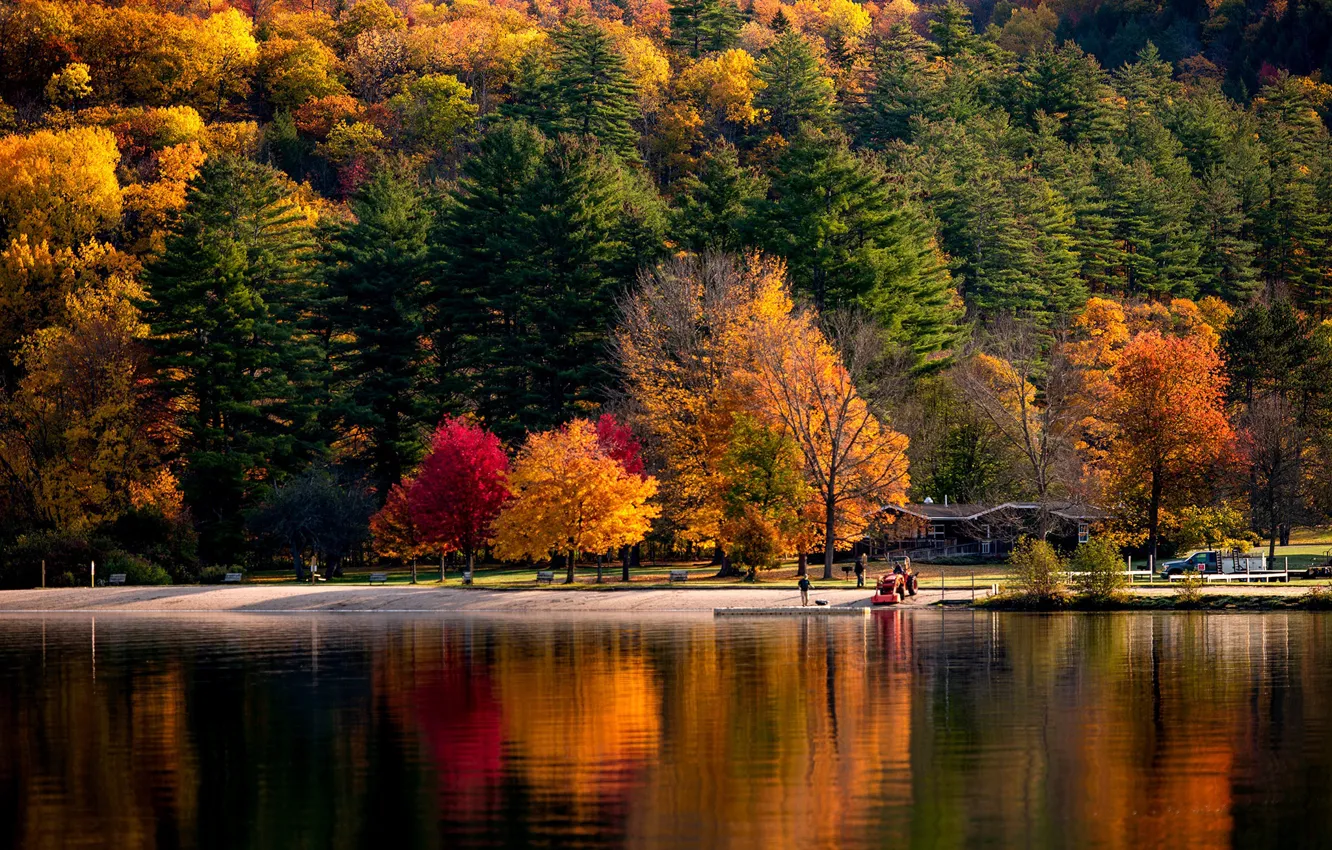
(295, 598)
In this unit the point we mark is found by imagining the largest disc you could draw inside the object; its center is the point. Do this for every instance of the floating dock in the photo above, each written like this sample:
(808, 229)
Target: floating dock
(793, 611)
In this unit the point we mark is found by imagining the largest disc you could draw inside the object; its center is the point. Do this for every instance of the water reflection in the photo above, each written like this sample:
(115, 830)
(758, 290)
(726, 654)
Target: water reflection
(911, 728)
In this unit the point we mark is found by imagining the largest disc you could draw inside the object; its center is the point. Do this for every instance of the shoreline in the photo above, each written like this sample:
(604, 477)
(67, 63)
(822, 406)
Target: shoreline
(302, 599)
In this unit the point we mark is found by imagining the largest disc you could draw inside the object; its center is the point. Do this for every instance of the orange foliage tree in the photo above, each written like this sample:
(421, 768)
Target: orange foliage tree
(854, 462)
(1168, 432)
(570, 495)
(396, 533)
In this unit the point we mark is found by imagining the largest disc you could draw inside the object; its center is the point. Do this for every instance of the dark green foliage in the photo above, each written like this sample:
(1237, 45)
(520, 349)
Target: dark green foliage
(968, 466)
(316, 512)
(586, 93)
(227, 311)
(537, 242)
(699, 26)
(375, 272)
(712, 202)
(794, 92)
(849, 239)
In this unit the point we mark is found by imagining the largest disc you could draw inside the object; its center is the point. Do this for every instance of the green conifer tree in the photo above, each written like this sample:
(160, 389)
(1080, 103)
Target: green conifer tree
(699, 26)
(713, 201)
(794, 89)
(374, 277)
(535, 244)
(227, 303)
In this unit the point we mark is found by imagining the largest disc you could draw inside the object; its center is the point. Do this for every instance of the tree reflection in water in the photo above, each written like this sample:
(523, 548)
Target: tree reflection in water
(919, 728)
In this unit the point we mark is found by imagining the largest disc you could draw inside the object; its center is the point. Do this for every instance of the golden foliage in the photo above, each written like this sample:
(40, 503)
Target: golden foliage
(59, 186)
(570, 496)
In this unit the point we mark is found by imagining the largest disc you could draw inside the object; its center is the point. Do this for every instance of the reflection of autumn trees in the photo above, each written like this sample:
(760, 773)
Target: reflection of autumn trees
(909, 728)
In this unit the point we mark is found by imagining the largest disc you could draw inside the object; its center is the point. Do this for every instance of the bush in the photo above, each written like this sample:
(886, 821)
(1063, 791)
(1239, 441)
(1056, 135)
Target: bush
(1038, 572)
(1100, 574)
(138, 571)
(1316, 598)
(1189, 592)
(214, 575)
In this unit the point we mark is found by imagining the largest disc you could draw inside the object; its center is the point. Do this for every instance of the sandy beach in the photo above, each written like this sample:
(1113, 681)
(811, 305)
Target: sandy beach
(344, 598)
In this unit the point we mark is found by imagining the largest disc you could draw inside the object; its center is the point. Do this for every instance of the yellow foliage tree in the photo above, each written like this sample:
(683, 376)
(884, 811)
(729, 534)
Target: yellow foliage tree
(682, 343)
(570, 497)
(723, 88)
(59, 186)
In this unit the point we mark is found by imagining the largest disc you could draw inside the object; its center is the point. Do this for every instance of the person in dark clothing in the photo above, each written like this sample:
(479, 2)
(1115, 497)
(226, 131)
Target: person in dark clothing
(860, 570)
(804, 586)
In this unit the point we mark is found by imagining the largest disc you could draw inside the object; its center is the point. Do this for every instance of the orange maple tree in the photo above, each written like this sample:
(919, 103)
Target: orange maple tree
(1168, 431)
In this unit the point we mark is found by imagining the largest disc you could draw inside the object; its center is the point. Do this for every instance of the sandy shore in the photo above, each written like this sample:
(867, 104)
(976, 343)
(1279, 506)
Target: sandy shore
(343, 598)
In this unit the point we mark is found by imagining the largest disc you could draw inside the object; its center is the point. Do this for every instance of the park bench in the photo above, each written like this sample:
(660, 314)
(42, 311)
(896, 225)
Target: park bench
(679, 575)
(378, 578)
(467, 577)
(545, 577)
(231, 578)
(117, 578)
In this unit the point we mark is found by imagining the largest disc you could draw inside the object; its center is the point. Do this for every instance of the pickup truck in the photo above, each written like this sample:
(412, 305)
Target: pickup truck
(1210, 562)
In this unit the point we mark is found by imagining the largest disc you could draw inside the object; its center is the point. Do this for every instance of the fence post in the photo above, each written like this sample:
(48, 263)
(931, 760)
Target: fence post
(943, 591)
(973, 586)
(43, 574)
(92, 573)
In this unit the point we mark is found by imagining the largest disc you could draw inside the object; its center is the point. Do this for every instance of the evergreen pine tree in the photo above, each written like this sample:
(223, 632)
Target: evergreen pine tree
(374, 277)
(794, 89)
(699, 26)
(591, 89)
(537, 241)
(952, 31)
(713, 202)
(849, 241)
(227, 300)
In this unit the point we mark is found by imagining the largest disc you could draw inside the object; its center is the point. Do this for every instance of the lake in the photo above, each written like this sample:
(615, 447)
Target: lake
(911, 728)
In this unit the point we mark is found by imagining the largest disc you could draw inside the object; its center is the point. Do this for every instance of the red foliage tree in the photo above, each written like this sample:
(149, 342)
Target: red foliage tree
(620, 444)
(617, 441)
(460, 487)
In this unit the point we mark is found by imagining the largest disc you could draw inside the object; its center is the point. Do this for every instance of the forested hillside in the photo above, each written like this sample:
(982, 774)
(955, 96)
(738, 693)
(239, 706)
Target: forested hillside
(263, 243)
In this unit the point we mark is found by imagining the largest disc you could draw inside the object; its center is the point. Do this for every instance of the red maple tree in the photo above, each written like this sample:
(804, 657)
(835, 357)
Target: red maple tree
(460, 487)
(617, 441)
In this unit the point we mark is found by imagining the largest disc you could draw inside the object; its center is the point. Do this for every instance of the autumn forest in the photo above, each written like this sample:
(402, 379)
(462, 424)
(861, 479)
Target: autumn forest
(287, 282)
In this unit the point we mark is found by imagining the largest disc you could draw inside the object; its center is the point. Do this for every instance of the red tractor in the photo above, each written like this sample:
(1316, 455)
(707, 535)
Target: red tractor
(893, 587)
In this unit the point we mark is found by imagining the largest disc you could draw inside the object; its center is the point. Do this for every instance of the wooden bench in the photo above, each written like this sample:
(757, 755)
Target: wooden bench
(679, 575)
(545, 576)
(231, 578)
(116, 578)
(378, 578)
(466, 577)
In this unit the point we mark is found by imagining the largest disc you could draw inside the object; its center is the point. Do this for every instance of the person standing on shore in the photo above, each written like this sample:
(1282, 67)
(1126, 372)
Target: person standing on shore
(860, 569)
(803, 584)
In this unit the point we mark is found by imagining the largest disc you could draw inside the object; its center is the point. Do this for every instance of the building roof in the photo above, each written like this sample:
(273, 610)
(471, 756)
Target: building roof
(969, 512)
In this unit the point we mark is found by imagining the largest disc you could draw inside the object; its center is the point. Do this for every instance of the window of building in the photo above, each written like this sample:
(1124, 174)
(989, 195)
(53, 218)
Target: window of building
(1084, 532)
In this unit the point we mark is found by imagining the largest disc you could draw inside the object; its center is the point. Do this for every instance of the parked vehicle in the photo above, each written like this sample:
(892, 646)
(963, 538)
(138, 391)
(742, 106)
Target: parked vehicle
(1212, 562)
(893, 587)
(1322, 570)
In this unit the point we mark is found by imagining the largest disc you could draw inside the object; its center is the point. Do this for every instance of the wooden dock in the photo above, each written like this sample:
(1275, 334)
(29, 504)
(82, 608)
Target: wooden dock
(793, 611)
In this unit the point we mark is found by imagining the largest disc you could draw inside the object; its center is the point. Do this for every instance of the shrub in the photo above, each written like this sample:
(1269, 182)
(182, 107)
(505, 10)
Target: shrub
(1189, 592)
(1037, 570)
(1099, 572)
(1316, 598)
(137, 570)
(214, 575)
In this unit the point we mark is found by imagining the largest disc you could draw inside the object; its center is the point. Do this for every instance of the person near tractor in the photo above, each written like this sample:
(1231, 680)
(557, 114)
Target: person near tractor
(860, 570)
(804, 586)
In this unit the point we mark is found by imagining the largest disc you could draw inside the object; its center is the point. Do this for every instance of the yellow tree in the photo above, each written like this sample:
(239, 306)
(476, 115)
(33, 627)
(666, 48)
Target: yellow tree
(571, 496)
(59, 187)
(855, 463)
(682, 343)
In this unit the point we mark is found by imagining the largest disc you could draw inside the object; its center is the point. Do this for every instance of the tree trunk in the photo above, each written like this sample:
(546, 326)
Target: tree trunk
(471, 563)
(441, 567)
(569, 576)
(1153, 516)
(296, 560)
(598, 568)
(802, 564)
(413, 569)
(829, 543)
(627, 556)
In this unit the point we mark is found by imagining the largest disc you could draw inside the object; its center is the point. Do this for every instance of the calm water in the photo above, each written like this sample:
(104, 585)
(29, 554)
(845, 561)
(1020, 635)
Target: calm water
(910, 729)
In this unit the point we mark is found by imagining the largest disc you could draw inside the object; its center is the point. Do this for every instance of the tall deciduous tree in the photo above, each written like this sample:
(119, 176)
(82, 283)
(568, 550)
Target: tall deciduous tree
(1168, 428)
(226, 307)
(375, 279)
(855, 463)
(462, 484)
(571, 497)
(395, 530)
